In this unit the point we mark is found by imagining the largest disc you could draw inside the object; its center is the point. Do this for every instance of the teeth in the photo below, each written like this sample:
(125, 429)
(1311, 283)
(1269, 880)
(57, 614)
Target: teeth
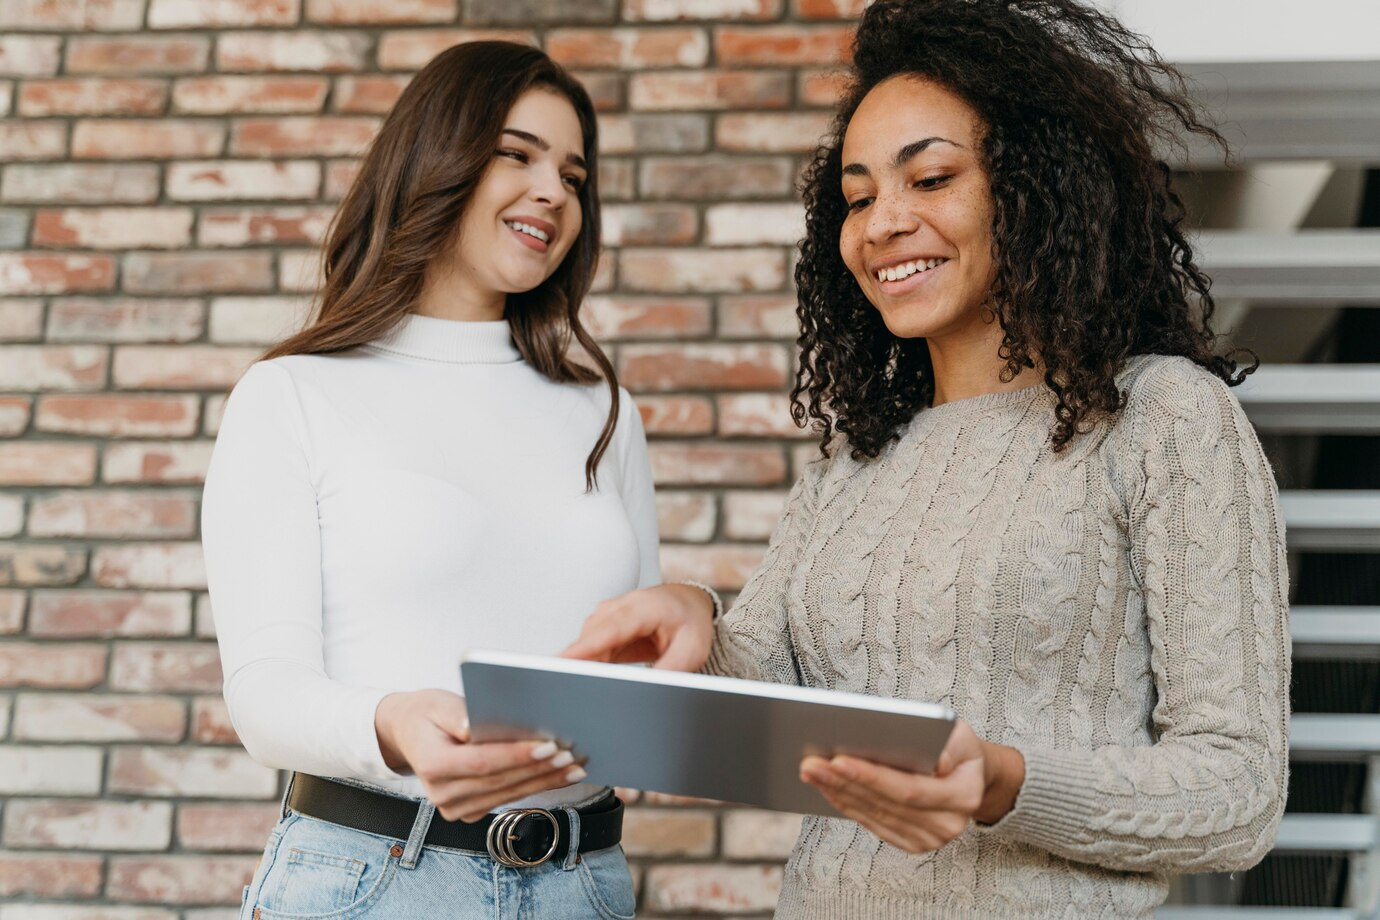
(528, 229)
(897, 272)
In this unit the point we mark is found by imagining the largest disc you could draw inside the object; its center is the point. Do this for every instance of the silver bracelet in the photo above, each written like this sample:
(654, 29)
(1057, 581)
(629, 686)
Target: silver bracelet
(713, 596)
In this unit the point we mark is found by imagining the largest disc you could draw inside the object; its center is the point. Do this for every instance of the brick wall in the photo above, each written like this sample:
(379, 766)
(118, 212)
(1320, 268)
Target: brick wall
(166, 169)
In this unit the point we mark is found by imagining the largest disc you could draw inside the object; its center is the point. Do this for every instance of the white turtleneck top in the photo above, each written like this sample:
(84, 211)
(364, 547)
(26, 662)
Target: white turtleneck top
(370, 516)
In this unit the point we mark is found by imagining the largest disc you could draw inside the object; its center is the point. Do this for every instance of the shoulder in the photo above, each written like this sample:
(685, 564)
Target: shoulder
(1171, 386)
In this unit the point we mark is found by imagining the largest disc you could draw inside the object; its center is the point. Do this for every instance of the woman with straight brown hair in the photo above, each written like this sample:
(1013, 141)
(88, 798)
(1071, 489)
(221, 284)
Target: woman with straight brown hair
(421, 471)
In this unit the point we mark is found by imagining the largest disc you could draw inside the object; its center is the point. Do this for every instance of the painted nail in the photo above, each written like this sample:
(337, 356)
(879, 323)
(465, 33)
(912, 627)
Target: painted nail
(544, 750)
(562, 759)
(575, 775)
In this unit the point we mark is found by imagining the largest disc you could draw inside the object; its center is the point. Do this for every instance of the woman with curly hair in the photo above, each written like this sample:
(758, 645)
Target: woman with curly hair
(1039, 504)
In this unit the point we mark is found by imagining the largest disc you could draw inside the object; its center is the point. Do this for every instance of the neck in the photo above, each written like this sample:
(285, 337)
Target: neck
(450, 292)
(967, 364)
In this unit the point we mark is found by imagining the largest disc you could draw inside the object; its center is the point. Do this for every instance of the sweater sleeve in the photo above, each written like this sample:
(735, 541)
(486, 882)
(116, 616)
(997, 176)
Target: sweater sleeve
(1207, 555)
(753, 641)
(639, 497)
(262, 545)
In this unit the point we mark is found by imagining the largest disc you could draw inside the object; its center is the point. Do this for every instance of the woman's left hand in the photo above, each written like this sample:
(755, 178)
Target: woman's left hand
(974, 780)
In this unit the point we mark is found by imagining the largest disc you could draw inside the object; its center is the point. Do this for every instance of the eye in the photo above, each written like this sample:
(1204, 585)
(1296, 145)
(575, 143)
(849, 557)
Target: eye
(932, 182)
(575, 182)
(858, 204)
(512, 154)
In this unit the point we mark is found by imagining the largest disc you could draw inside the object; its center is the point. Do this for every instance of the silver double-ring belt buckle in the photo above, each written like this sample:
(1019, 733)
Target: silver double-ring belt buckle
(503, 835)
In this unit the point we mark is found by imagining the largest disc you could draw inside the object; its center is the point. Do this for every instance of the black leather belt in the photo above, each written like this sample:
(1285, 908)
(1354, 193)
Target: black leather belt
(517, 837)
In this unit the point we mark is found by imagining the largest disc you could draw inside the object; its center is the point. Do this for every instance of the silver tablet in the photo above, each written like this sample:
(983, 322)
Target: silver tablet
(692, 734)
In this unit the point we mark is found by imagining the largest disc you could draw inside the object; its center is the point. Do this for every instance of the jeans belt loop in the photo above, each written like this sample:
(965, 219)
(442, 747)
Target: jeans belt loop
(413, 851)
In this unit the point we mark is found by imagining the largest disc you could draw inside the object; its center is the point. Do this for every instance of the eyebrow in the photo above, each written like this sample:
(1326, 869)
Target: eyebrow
(542, 144)
(913, 149)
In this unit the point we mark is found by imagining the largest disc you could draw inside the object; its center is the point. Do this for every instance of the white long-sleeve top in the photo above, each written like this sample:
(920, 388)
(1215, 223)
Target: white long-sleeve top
(370, 516)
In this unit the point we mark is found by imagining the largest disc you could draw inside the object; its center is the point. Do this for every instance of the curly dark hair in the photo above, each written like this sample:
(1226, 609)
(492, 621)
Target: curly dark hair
(1091, 266)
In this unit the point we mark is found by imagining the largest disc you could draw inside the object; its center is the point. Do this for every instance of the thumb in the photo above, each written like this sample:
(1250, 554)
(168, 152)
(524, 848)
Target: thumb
(682, 653)
(452, 717)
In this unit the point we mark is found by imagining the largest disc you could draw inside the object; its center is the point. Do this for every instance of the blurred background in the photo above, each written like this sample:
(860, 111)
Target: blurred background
(167, 169)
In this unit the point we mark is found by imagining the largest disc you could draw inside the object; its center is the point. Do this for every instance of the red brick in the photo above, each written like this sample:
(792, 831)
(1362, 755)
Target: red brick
(709, 89)
(228, 180)
(759, 415)
(80, 183)
(32, 140)
(49, 875)
(614, 317)
(300, 270)
(340, 175)
(617, 180)
(46, 273)
(92, 96)
(14, 415)
(55, 15)
(411, 49)
(656, 832)
(40, 564)
(605, 89)
(180, 367)
(822, 88)
(110, 415)
(230, 95)
(783, 46)
(114, 228)
(179, 879)
(303, 136)
(21, 319)
(330, 52)
(143, 139)
(35, 770)
(205, 622)
(52, 367)
(751, 515)
(367, 94)
(77, 825)
(125, 319)
(194, 772)
(364, 12)
(752, 834)
(728, 889)
(649, 224)
(685, 516)
(256, 320)
(712, 366)
(829, 9)
(716, 178)
(678, 415)
(145, 54)
(203, 14)
(754, 224)
(652, 132)
(149, 565)
(113, 514)
(165, 667)
(628, 48)
(214, 827)
(12, 605)
(215, 408)
(211, 721)
(197, 272)
(666, 10)
(264, 226)
(98, 717)
(157, 462)
(757, 316)
(702, 270)
(11, 515)
(772, 132)
(42, 463)
(29, 55)
(716, 464)
(50, 664)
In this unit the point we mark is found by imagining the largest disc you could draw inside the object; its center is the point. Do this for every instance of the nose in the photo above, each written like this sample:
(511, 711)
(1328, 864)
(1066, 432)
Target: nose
(890, 216)
(549, 188)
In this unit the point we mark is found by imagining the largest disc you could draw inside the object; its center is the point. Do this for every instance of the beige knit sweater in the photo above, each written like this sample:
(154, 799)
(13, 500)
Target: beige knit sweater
(1116, 611)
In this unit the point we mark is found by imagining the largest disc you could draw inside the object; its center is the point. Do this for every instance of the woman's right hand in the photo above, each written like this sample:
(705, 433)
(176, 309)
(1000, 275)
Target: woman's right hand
(427, 733)
(669, 626)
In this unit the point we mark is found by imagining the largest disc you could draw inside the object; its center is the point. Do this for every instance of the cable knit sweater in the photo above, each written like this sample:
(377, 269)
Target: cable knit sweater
(1117, 612)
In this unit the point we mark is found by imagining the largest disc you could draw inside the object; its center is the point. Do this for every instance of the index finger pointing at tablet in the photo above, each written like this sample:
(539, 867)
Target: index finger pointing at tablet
(603, 638)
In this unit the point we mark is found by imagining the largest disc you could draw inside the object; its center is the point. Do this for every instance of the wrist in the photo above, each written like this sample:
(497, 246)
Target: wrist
(1003, 775)
(384, 724)
(715, 607)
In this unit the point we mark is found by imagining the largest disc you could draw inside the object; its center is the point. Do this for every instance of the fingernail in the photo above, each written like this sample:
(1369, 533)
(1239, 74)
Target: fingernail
(562, 759)
(575, 775)
(544, 750)
(842, 767)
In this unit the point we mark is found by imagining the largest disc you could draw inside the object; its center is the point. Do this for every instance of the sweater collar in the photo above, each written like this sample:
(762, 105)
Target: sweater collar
(450, 341)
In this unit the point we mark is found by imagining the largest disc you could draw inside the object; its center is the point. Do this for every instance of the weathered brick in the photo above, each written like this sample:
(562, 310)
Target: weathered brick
(729, 889)
(756, 316)
(47, 463)
(716, 464)
(59, 15)
(215, 408)
(629, 48)
(256, 320)
(340, 175)
(656, 832)
(76, 825)
(179, 879)
(772, 132)
(11, 515)
(125, 319)
(751, 515)
(783, 46)
(80, 183)
(12, 604)
(301, 270)
(365, 12)
(303, 136)
(52, 367)
(676, 415)
(605, 88)
(615, 317)
(42, 770)
(197, 272)
(330, 52)
(113, 514)
(157, 462)
(21, 319)
(80, 912)
(723, 567)
(829, 9)
(233, 94)
(649, 224)
(14, 415)
(367, 94)
(709, 89)
(264, 226)
(754, 224)
(110, 139)
(149, 565)
(50, 664)
(92, 96)
(524, 12)
(685, 516)
(229, 180)
(753, 834)
(822, 88)
(165, 667)
(211, 721)
(6, 96)
(49, 273)
(758, 415)
(114, 228)
(14, 222)
(411, 49)
(29, 55)
(716, 178)
(216, 827)
(193, 772)
(203, 14)
(653, 132)
(668, 10)
(118, 416)
(711, 366)
(617, 179)
(48, 875)
(205, 622)
(32, 140)
(180, 367)
(98, 717)
(702, 270)
(146, 54)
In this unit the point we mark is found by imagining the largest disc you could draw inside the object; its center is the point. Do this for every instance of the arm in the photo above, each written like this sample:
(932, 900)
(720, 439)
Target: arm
(635, 486)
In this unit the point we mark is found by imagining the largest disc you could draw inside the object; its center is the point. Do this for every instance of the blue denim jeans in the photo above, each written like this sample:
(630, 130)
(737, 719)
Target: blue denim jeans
(322, 871)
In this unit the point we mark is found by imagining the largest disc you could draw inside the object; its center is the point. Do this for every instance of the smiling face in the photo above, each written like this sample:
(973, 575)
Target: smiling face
(524, 214)
(918, 235)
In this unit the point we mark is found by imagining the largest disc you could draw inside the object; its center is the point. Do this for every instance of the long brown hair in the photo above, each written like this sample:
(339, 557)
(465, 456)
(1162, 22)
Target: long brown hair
(407, 200)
